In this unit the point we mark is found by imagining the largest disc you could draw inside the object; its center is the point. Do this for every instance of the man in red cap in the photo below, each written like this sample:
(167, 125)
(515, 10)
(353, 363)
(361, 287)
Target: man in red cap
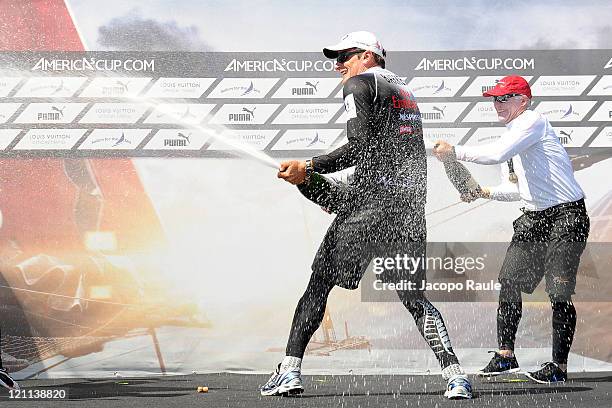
(548, 238)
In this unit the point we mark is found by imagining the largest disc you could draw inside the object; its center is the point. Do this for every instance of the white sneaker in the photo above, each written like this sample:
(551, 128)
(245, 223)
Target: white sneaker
(458, 387)
(283, 383)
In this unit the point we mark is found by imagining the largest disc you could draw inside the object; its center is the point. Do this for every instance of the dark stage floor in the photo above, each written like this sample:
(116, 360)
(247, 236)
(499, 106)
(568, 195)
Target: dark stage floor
(591, 390)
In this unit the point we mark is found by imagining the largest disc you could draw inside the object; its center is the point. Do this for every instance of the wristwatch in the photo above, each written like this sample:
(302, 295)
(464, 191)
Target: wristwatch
(309, 170)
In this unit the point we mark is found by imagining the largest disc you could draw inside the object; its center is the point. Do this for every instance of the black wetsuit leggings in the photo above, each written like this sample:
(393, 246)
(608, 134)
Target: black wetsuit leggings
(509, 314)
(311, 309)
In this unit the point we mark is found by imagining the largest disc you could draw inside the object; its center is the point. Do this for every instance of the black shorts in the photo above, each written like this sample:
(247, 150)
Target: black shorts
(549, 244)
(355, 238)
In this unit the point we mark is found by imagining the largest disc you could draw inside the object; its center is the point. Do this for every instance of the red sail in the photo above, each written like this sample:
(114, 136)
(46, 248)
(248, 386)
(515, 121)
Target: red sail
(44, 207)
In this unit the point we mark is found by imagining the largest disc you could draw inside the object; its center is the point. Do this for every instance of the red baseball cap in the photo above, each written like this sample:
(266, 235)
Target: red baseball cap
(509, 85)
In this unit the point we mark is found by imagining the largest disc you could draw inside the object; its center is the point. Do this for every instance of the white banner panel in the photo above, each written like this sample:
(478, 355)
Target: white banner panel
(603, 87)
(50, 87)
(306, 88)
(114, 139)
(114, 113)
(436, 87)
(574, 136)
(114, 87)
(50, 139)
(179, 87)
(565, 111)
(7, 110)
(482, 112)
(603, 113)
(442, 112)
(177, 139)
(308, 113)
(561, 85)
(7, 136)
(7, 84)
(244, 114)
(305, 139)
(179, 113)
(604, 138)
(450, 135)
(50, 112)
(243, 88)
(257, 139)
(485, 135)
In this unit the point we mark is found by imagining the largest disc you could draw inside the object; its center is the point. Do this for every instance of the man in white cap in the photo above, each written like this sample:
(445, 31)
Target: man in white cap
(383, 204)
(548, 238)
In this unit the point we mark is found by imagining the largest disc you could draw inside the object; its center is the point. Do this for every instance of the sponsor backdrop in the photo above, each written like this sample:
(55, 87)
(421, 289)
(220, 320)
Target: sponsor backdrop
(287, 104)
(138, 235)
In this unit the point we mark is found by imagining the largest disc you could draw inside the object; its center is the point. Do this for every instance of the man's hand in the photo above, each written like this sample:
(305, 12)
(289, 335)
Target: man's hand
(293, 171)
(444, 151)
(475, 194)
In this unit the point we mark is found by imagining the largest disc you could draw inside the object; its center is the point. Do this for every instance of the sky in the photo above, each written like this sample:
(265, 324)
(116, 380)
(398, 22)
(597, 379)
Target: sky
(201, 25)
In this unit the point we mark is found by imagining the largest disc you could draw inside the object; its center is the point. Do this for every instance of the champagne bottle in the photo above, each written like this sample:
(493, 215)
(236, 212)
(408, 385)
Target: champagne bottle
(460, 177)
(322, 191)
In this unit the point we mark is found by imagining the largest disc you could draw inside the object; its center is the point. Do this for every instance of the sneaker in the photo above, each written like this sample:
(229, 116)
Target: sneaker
(283, 383)
(499, 365)
(549, 373)
(6, 381)
(458, 387)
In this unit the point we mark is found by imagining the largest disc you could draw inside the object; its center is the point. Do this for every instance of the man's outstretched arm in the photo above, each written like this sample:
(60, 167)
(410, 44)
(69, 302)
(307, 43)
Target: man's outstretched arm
(358, 107)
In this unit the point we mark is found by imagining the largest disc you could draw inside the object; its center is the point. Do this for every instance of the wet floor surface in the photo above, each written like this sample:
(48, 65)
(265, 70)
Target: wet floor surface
(592, 390)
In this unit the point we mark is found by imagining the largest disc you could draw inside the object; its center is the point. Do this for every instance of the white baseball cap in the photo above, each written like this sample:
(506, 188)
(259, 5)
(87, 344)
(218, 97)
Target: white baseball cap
(358, 39)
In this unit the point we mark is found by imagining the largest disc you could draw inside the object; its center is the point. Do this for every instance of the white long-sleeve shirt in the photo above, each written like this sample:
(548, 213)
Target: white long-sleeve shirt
(544, 171)
(507, 190)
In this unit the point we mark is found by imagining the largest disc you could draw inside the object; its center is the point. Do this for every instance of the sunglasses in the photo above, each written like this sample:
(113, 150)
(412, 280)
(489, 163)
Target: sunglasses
(504, 98)
(346, 55)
